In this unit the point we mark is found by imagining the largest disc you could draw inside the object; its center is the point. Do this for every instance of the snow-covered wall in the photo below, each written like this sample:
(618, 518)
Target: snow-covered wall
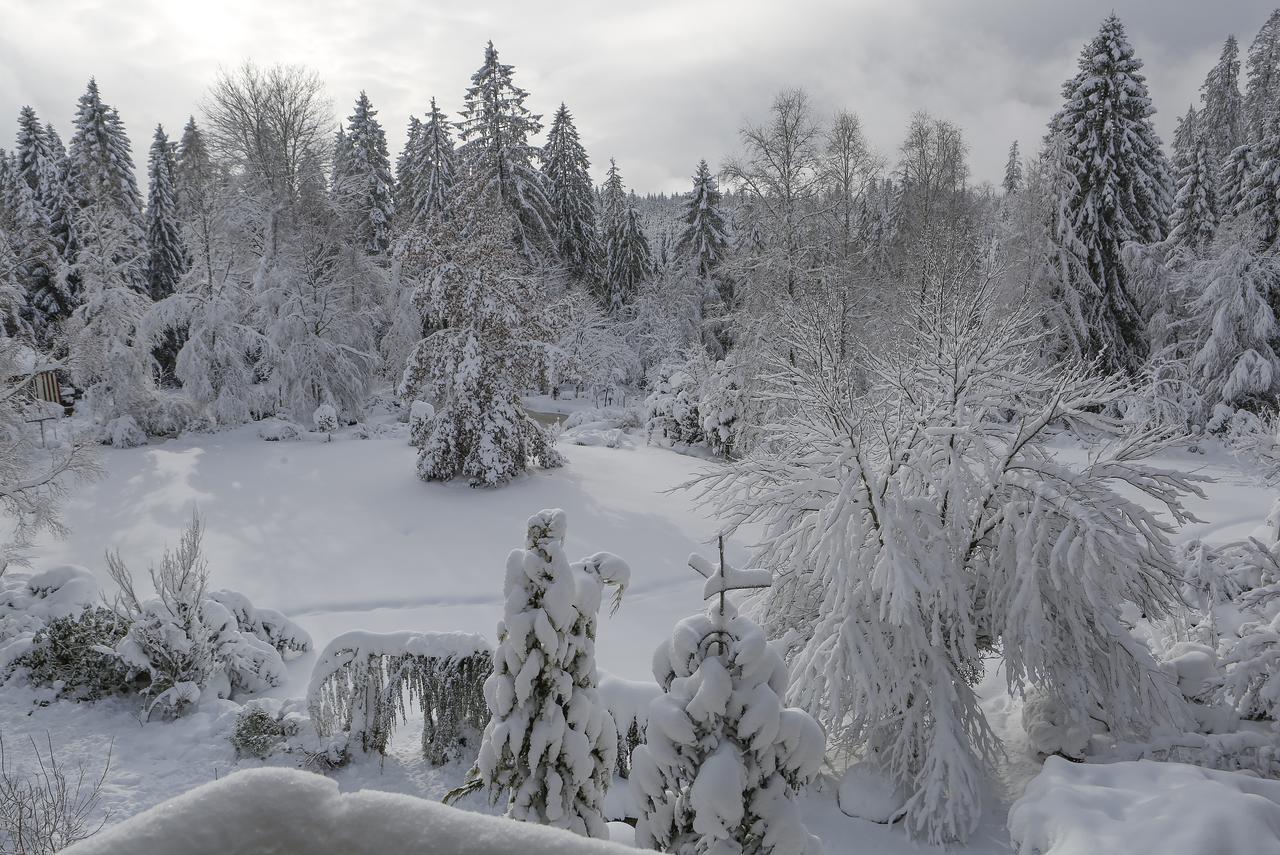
(290, 811)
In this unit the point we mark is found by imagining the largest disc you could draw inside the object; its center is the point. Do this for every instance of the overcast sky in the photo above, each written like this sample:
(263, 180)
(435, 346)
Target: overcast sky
(657, 84)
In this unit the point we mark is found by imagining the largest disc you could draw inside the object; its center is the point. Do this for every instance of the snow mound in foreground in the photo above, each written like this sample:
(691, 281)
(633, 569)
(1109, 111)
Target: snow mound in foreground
(1141, 807)
(287, 810)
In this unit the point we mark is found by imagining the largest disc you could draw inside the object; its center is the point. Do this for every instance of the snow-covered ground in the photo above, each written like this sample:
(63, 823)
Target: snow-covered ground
(342, 535)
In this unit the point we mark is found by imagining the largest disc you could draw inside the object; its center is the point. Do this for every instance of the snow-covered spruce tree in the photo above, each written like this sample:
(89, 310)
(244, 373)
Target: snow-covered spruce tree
(496, 152)
(924, 525)
(430, 171)
(565, 168)
(1260, 201)
(486, 346)
(1124, 188)
(703, 239)
(49, 298)
(1194, 220)
(1012, 171)
(364, 187)
(1262, 78)
(402, 193)
(628, 259)
(1221, 107)
(37, 162)
(166, 253)
(1237, 361)
(550, 746)
(723, 760)
(1185, 133)
(1234, 176)
(100, 173)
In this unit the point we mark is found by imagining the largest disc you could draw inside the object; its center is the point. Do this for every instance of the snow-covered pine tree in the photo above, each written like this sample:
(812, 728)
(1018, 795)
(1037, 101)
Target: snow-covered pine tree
(434, 170)
(166, 253)
(341, 156)
(550, 745)
(703, 239)
(485, 348)
(405, 185)
(723, 760)
(1195, 210)
(630, 260)
(1260, 202)
(1012, 170)
(1221, 107)
(1234, 177)
(196, 197)
(100, 173)
(1124, 187)
(1184, 138)
(565, 169)
(496, 152)
(41, 161)
(365, 184)
(49, 298)
(1262, 79)
(999, 547)
(613, 197)
(1237, 361)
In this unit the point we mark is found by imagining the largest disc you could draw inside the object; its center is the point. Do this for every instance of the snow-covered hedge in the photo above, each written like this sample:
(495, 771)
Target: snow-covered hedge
(287, 810)
(1144, 808)
(363, 683)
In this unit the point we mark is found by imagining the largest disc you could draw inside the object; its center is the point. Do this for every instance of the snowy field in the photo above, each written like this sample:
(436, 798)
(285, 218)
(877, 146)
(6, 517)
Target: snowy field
(342, 535)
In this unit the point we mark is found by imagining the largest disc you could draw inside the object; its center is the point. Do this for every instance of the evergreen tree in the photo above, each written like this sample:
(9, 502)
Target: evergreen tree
(100, 174)
(166, 254)
(1260, 201)
(1012, 170)
(434, 170)
(41, 162)
(1221, 107)
(724, 761)
(496, 152)
(1184, 138)
(1123, 187)
(196, 197)
(49, 297)
(613, 197)
(550, 746)
(703, 240)
(1237, 360)
(405, 186)
(1195, 210)
(482, 352)
(629, 259)
(1233, 178)
(365, 185)
(341, 156)
(565, 169)
(1262, 84)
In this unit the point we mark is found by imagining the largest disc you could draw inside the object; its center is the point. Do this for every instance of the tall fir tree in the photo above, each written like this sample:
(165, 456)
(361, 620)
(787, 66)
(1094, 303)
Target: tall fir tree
(496, 152)
(1124, 187)
(703, 240)
(1262, 79)
(365, 184)
(403, 193)
(1184, 138)
(1195, 210)
(100, 174)
(435, 169)
(41, 163)
(166, 253)
(1221, 106)
(629, 258)
(40, 211)
(1012, 171)
(1260, 200)
(565, 168)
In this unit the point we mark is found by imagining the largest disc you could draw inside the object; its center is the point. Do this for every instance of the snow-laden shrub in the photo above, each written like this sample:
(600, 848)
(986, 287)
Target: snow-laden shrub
(550, 744)
(325, 418)
(278, 430)
(267, 727)
(186, 641)
(75, 656)
(867, 793)
(628, 703)
(260, 734)
(671, 412)
(620, 418)
(123, 432)
(364, 683)
(30, 601)
(721, 408)
(723, 759)
(1053, 726)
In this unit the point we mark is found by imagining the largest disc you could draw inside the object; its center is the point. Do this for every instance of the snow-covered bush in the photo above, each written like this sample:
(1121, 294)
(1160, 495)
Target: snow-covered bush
(325, 418)
(1054, 727)
(363, 684)
(720, 407)
(267, 727)
(260, 734)
(421, 415)
(75, 656)
(723, 759)
(186, 641)
(628, 704)
(29, 602)
(550, 744)
(671, 411)
(278, 430)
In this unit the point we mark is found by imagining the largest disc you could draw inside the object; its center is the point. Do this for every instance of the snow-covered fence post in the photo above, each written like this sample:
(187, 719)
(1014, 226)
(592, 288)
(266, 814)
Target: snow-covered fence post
(723, 760)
